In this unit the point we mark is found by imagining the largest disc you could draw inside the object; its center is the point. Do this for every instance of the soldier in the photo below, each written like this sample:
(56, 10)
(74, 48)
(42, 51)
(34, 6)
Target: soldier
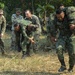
(15, 17)
(2, 30)
(20, 31)
(34, 19)
(65, 22)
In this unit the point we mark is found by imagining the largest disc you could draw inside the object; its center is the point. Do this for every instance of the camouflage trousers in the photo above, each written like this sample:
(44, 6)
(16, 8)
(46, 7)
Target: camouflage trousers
(61, 43)
(22, 43)
(26, 46)
(36, 39)
(13, 40)
(1, 46)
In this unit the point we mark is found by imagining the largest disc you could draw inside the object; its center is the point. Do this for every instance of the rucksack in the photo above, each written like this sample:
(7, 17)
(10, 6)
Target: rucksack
(70, 13)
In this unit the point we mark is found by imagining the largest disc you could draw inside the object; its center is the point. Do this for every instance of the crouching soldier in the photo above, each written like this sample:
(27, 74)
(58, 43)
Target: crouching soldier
(22, 38)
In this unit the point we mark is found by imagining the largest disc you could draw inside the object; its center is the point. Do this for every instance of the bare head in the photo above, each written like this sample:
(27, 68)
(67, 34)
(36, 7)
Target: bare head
(60, 14)
(28, 13)
(61, 6)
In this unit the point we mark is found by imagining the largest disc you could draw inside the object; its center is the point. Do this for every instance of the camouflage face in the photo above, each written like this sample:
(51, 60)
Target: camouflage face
(60, 16)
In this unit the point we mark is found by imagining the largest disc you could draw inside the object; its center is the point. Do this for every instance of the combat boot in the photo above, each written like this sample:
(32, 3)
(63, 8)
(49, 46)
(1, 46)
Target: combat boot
(62, 68)
(70, 70)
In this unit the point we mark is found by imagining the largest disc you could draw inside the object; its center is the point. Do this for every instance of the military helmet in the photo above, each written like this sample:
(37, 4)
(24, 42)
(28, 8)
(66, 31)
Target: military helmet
(1, 11)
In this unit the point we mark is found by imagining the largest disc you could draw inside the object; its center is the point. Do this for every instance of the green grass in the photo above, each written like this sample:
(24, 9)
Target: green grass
(42, 63)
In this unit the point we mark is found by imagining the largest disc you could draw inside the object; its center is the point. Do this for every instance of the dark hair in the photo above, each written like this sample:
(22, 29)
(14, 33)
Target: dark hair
(16, 24)
(61, 5)
(28, 10)
(59, 11)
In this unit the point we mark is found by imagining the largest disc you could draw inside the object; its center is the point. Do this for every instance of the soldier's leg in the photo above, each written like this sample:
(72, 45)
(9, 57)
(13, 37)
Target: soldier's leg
(23, 49)
(60, 46)
(28, 48)
(73, 43)
(71, 55)
(18, 41)
(2, 46)
(13, 40)
(36, 45)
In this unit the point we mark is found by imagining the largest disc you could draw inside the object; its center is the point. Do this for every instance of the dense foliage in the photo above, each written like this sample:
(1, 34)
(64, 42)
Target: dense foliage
(37, 6)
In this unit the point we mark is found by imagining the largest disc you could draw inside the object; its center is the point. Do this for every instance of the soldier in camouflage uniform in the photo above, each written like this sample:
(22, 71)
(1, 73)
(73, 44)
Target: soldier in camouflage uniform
(22, 39)
(15, 17)
(2, 30)
(34, 19)
(65, 22)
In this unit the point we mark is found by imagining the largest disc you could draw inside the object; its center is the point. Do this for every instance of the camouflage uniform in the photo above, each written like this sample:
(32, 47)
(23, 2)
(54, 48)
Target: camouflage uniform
(65, 37)
(13, 38)
(49, 29)
(2, 30)
(34, 19)
(22, 39)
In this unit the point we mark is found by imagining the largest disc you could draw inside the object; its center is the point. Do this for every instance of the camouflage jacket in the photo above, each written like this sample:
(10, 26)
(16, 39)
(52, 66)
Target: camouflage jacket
(2, 25)
(14, 17)
(35, 20)
(63, 26)
(23, 32)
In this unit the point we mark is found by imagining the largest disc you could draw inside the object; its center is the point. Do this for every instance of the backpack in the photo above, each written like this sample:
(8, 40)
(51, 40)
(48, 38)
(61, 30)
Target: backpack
(70, 13)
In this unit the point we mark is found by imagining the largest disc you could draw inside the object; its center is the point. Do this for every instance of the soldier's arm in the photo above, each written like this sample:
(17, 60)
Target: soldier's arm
(25, 35)
(4, 26)
(23, 28)
(37, 22)
(53, 28)
(22, 17)
(13, 18)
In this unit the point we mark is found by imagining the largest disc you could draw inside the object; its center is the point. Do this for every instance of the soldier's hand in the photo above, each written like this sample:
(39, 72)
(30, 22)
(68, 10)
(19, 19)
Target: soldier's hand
(53, 39)
(1, 35)
(31, 39)
(72, 26)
